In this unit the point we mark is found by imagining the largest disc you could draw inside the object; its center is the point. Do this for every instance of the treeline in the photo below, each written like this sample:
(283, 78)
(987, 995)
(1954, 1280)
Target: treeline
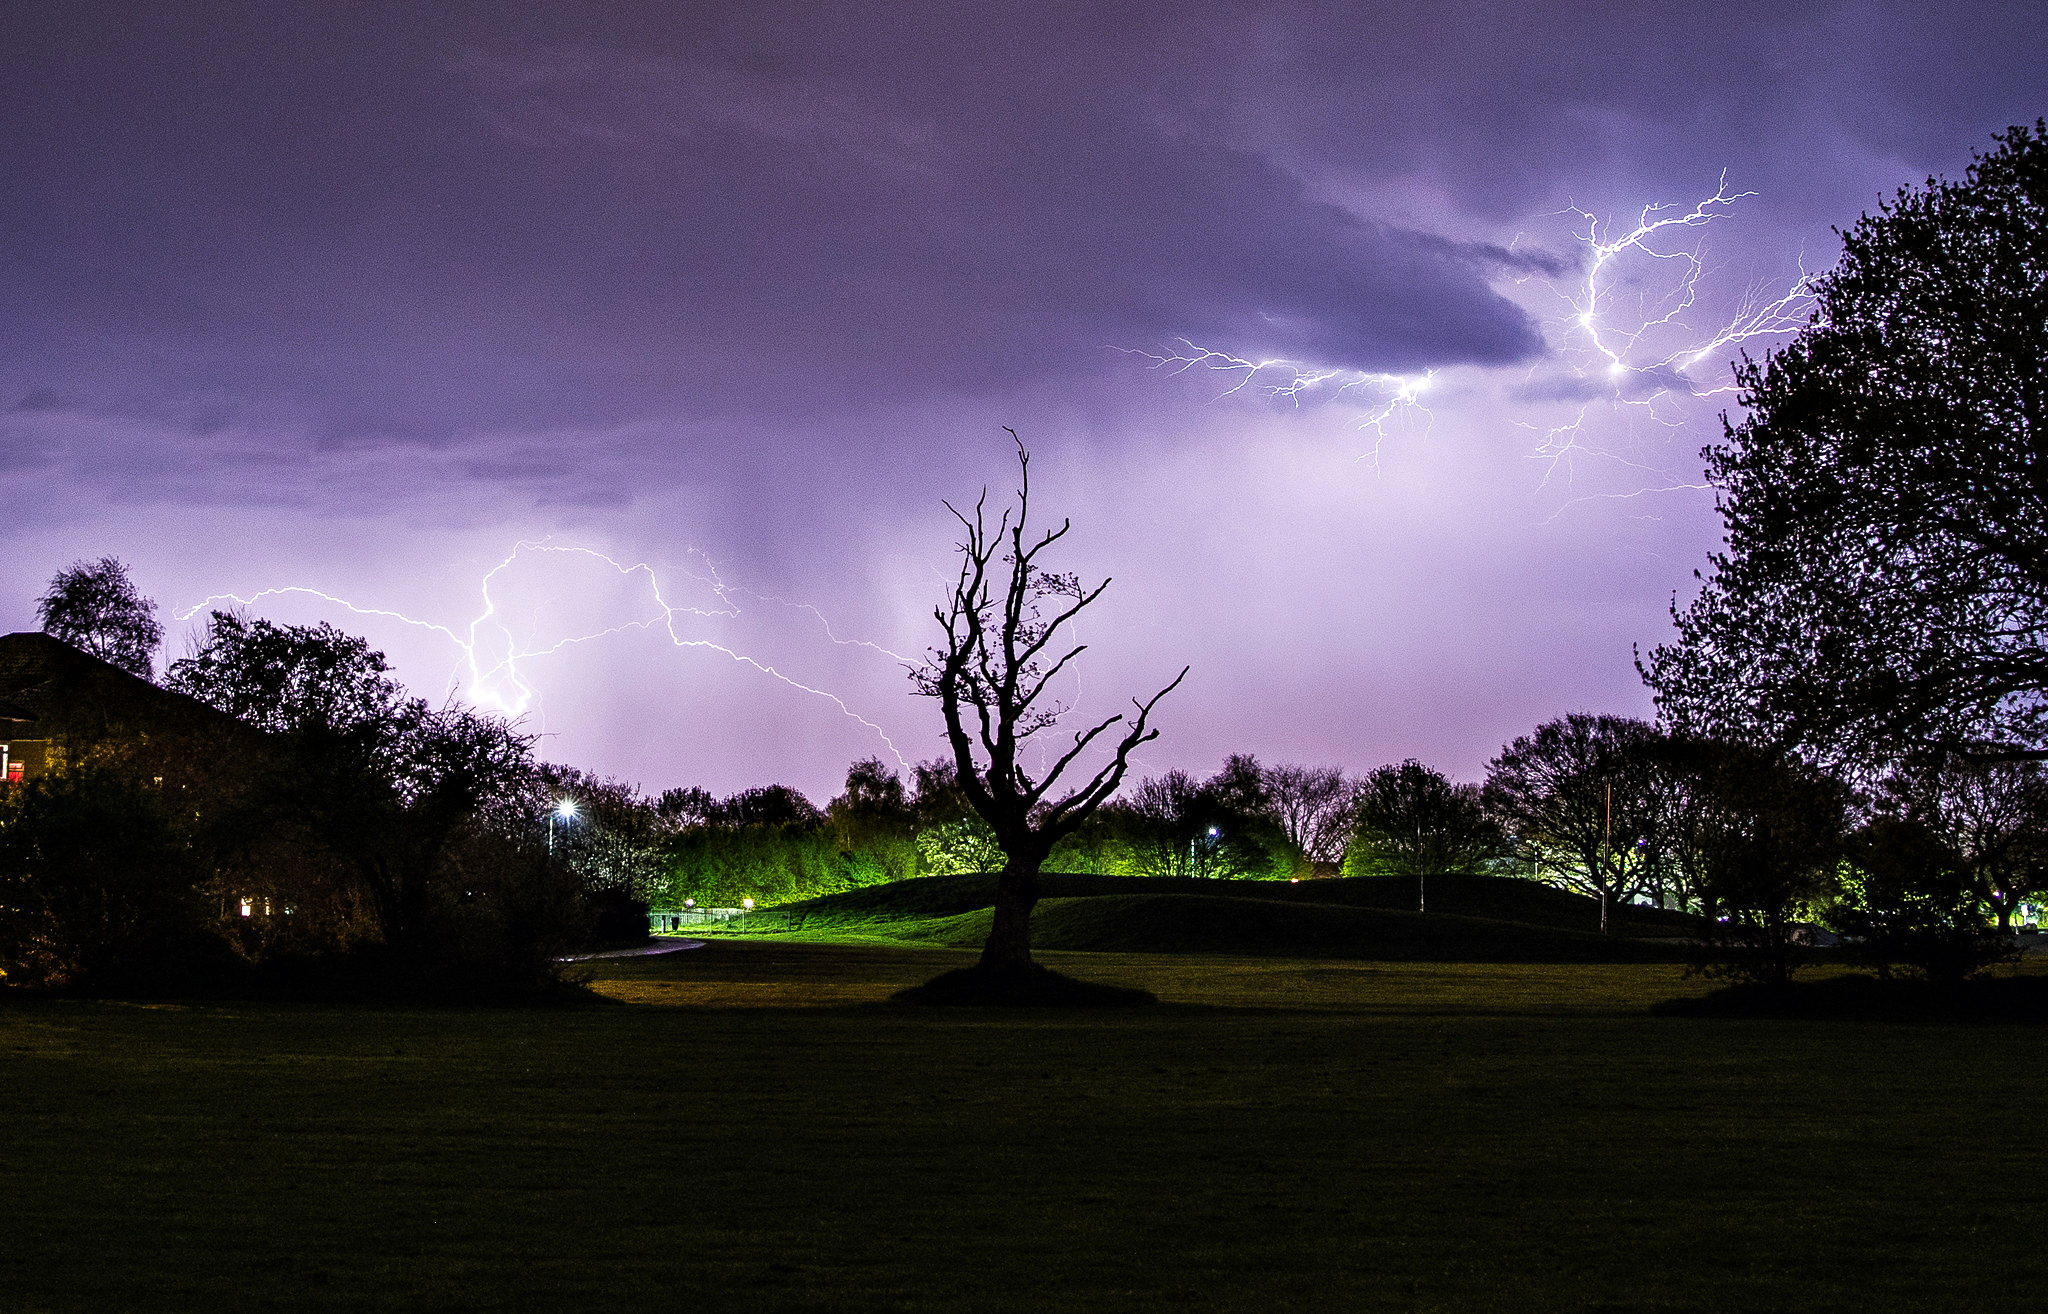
(1921, 862)
(1925, 865)
(772, 845)
(325, 820)
(278, 813)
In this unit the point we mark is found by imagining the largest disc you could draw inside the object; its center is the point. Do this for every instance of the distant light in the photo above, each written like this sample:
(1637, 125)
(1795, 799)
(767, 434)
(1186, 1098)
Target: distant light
(689, 903)
(746, 903)
(1212, 832)
(1294, 880)
(566, 808)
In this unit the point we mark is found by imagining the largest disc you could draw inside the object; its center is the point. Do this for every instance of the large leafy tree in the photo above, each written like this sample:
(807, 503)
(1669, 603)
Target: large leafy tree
(96, 608)
(1768, 831)
(1413, 821)
(1909, 898)
(1884, 585)
(98, 886)
(1581, 799)
(382, 780)
(1991, 817)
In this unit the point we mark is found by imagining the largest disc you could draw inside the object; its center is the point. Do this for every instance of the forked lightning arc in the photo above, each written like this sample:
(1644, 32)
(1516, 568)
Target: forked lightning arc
(488, 671)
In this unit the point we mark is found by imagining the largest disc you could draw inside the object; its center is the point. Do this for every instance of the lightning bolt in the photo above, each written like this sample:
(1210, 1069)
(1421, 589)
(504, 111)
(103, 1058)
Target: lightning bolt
(1633, 329)
(1642, 354)
(487, 671)
(1384, 396)
(1756, 316)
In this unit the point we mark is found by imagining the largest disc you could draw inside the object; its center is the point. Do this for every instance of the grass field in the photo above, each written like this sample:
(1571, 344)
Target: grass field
(754, 1128)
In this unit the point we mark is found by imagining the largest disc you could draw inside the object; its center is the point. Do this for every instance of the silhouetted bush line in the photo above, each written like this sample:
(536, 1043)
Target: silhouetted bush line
(1854, 996)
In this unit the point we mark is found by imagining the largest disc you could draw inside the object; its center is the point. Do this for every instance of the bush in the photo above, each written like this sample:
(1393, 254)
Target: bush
(98, 891)
(1909, 903)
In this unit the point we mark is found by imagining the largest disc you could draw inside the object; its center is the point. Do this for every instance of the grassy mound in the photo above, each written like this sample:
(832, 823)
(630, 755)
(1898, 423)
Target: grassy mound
(1265, 928)
(877, 908)
(1188, 923)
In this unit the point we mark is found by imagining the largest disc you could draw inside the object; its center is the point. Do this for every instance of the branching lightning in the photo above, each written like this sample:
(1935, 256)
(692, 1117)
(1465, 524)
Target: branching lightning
(487, 672)
(1640, 355)
(1384, 396)
(1628, 343)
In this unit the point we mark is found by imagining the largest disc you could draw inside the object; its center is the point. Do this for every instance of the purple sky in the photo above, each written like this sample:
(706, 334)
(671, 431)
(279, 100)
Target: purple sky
(359, 299)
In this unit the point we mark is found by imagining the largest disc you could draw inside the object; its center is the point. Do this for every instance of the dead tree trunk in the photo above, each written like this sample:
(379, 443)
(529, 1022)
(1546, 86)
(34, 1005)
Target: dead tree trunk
(992, 675)
(1009, 934)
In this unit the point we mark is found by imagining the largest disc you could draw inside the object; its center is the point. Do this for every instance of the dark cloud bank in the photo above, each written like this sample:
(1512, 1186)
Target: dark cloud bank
(268, 256)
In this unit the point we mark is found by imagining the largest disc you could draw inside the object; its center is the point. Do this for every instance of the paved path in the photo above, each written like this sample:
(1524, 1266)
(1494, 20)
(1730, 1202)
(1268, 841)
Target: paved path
(643, 952)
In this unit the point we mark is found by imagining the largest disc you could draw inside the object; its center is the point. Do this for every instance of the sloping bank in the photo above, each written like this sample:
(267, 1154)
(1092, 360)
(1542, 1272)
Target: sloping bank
(1223, 924)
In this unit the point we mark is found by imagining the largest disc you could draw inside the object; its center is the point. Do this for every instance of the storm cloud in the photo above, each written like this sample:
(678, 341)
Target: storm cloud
(366, 294)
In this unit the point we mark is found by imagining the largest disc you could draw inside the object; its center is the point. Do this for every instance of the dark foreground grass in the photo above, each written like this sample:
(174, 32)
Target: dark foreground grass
(753, 1132)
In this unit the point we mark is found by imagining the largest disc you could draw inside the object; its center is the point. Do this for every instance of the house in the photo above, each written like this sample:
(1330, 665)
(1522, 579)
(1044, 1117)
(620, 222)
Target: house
(55, 699)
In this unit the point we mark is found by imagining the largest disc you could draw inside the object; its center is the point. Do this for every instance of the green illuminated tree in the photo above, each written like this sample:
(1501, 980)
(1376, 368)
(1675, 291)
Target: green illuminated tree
(1413, 821)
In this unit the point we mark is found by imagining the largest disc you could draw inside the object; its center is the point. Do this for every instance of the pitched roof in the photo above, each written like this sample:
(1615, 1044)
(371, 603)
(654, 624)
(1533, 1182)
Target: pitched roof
(51, 689)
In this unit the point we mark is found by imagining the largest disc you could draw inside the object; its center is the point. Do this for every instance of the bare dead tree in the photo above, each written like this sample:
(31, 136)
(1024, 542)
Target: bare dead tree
(1315, 806)
(993, 674)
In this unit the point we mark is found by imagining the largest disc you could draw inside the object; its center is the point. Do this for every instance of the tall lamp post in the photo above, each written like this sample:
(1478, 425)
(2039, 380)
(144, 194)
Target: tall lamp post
(564, 811)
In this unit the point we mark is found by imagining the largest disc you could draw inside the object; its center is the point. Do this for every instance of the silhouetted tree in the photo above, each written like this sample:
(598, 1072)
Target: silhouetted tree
(767, 805)
(1770, 831)
(615, 846)
(1882, 588)
(1220, 828)
(1909, 901)
(683, 807)
(1993, 816)
(383, 781)
(1413, 821)
(1579, 797)
(96, 608)
(1176, 833)
(993, 676)
(1313, 806)
(98, 887)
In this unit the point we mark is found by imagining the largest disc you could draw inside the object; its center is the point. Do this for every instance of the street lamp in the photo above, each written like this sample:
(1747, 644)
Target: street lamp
(566, 811)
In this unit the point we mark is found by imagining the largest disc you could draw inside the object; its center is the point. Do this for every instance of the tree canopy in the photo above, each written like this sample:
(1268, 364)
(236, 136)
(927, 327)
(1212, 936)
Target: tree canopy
(1884, 583)
(1413, 821)
(96, 608)
(382, 780)
(1580, 796)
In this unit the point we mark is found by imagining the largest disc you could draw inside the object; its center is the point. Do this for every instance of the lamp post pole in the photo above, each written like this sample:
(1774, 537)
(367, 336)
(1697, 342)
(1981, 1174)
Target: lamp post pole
(566, 811)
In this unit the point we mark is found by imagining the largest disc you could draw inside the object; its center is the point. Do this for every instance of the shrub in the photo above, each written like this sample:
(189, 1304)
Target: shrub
(98, 891)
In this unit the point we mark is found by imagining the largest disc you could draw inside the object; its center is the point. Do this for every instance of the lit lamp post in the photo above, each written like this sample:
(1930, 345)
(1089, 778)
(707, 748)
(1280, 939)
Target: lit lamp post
(566, 812)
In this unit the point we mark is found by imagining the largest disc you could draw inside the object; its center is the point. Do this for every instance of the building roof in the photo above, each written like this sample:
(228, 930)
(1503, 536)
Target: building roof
(49, 689)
